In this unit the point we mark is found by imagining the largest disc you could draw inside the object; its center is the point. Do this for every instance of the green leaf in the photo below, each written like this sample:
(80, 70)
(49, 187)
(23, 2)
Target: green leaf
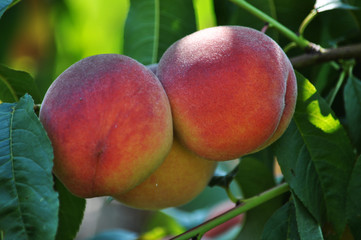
(292, 221)
(162, 225)
(324, 77)
(14, 2)
(356, 14)
(325, 5)
(14, 84)
(282, 224)
(71, 213)
(316, 157)
(354, 201)
(3, 6)
(253, 178)
(307, 226)
(332, 28)
(266, 156)
(299, 171)
(153, 25)
(28, 203)
(352, 100)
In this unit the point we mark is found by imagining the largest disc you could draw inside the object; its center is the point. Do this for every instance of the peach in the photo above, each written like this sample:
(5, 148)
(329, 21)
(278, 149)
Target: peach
(232, 91)
(109, 120)
(182, 176)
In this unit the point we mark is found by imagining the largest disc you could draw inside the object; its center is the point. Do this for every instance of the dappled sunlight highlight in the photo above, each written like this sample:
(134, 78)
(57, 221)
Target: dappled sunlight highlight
(89, 28)
(327, 123)
(318, 115)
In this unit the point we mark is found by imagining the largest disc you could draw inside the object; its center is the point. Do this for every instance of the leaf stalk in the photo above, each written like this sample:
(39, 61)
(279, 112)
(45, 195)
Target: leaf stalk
(306, 21)
(299, 40)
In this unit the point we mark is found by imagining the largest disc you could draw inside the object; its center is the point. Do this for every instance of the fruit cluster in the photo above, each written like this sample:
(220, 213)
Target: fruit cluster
(153, 141)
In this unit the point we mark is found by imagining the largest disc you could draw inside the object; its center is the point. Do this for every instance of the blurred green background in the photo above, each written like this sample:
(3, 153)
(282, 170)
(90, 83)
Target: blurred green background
(44, 37)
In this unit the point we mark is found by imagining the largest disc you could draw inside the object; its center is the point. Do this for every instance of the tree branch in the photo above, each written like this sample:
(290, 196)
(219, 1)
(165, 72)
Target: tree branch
(346, 52)
(247, 204)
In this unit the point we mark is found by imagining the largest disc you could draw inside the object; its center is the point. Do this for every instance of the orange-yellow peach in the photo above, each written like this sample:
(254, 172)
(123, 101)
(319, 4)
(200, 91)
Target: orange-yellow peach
(232, 91)
(109, 120)
(182, 176)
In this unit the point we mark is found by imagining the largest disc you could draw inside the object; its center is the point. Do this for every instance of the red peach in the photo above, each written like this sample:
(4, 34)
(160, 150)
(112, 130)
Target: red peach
(232, 91)
(110, 124)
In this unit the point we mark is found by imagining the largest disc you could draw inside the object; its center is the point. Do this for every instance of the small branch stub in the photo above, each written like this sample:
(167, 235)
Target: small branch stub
(327, 55)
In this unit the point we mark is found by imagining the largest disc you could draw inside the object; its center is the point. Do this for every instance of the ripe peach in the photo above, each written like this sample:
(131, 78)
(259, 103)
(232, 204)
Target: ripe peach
(181, 177)
(109, 120)
(232, 91)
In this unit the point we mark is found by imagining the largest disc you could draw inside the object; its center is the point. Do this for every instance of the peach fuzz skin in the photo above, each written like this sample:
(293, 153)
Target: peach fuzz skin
(232, 91)
(110, 124)
(182, 176)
